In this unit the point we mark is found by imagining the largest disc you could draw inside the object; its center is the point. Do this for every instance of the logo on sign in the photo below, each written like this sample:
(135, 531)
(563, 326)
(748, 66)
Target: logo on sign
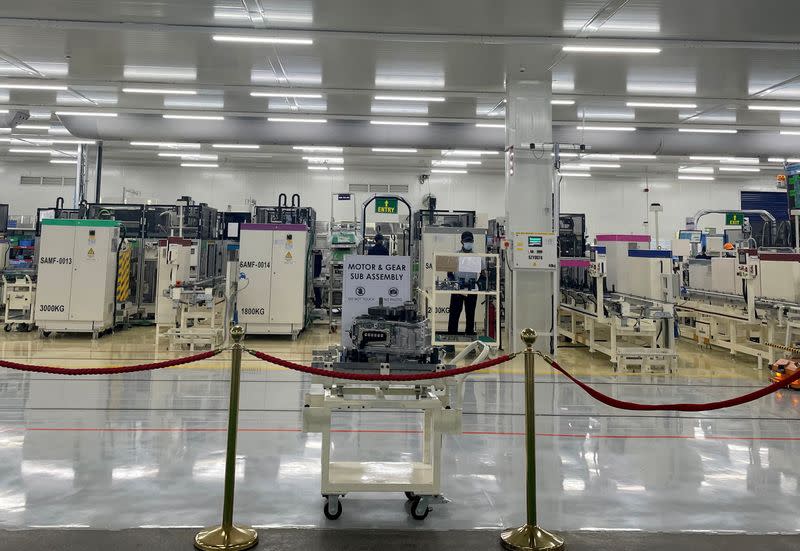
(394, 291)
(360, 291)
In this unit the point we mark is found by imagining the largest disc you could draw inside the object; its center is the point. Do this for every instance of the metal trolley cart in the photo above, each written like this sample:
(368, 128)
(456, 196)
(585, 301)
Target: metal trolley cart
(19, 297)
(440, 400)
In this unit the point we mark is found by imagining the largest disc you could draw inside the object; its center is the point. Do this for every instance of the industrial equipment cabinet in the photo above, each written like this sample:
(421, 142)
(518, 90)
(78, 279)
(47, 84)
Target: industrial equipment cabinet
(273, 293)
(77, 276)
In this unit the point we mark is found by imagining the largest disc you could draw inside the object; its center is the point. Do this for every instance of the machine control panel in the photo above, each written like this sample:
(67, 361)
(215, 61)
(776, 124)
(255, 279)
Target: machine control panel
(598, 268)
(535, 251)
(747, 271)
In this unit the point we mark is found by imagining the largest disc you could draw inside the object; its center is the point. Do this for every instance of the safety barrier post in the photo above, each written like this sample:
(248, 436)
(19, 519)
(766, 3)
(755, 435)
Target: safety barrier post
(530, 537)
(228, 536)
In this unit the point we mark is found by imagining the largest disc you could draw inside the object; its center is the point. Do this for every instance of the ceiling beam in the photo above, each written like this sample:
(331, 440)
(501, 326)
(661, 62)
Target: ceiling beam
(497, 40)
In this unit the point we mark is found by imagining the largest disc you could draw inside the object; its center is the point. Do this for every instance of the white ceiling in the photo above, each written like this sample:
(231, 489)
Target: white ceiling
(720, 55)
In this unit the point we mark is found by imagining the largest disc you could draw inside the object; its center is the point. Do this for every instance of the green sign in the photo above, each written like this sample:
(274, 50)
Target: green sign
(386, 205)
(734, 219)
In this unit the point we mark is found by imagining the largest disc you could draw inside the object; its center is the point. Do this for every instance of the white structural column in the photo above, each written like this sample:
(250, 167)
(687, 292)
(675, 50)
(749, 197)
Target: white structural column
(532, 206)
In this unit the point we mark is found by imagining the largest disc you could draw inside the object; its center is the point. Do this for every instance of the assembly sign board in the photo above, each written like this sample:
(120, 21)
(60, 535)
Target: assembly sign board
(367, 279)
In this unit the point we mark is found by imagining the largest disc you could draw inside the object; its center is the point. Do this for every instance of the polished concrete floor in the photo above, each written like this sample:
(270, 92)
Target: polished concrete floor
(282, 539)
(147, 449)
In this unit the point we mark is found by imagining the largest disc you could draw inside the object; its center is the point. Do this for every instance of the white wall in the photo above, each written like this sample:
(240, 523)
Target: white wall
(611, 205)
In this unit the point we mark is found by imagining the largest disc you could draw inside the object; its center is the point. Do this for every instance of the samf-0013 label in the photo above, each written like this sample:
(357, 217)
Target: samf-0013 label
(66, 260)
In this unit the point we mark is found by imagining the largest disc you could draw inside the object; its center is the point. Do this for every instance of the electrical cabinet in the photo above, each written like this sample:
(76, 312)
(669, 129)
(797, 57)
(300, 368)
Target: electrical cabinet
(274, 278)
(77, 275)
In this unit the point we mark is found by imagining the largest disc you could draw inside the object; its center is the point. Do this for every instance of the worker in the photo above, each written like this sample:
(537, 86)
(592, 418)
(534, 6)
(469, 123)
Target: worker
(468, 281)
(379, 249)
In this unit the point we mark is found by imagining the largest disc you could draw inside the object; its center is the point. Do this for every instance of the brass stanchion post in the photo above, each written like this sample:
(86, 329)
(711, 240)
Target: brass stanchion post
(228, 536)
(530, 537)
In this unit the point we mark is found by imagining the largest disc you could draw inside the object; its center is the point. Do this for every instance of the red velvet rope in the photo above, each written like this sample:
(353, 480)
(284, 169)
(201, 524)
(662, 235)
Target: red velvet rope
(632, 406)
(404, 377)
(108, 370)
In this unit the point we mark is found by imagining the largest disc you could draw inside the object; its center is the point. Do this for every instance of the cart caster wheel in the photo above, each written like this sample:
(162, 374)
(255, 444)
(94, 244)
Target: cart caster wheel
(416, 513)
(7, 328)
(327, 510)
(410, 496)
(23, 328)
(46, 334)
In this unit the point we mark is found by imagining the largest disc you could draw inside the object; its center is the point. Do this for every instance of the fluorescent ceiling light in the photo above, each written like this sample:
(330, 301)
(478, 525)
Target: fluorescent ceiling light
(780, 160)
(410, 98)
(336, 168)
(447, 171)
(614, 156)
(191, 156)
(576, 174)
(323, 160)
(696, 169)
(730, 160)
(86, 113)
(312, 167)
(318, 148)
(400, 123)
(234, 146)
(4, 111)
(609, 128)
(562, 102)
(261, 39)
(31, 150)
(283, 119)
(709, 130)
(591, 165)
(565, 155)
(165, 91)
(284, 95)
(32, 127)
(14, 86)
(790, 132)
(196, 117)
(468, 152)
(764, 107)
(47, 141)
(739, 169)
(393, 150)
(200, 165)
(487, 125)
(167, 144)
(661, 105)
(689, 177)
(611, 50)
(440, 162)
(63, 161)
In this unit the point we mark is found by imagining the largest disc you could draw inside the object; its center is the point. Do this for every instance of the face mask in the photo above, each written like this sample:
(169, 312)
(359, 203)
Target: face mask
(467, 246)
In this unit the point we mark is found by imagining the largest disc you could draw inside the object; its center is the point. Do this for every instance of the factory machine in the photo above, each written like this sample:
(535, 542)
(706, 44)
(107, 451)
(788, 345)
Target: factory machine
(620, 300)
(275, 293)
(77, 276)
(17, 278)
(737, 296)
(387, 340)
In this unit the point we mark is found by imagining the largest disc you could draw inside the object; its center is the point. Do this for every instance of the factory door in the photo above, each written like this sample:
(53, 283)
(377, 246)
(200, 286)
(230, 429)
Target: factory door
(288, 277)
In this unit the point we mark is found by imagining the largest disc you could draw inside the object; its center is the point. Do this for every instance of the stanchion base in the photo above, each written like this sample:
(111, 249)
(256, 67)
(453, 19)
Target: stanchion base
(215, 539)
(531, 538)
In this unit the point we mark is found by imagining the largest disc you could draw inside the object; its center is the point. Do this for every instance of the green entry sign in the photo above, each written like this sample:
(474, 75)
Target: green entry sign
(734, 219)
(386, 205)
